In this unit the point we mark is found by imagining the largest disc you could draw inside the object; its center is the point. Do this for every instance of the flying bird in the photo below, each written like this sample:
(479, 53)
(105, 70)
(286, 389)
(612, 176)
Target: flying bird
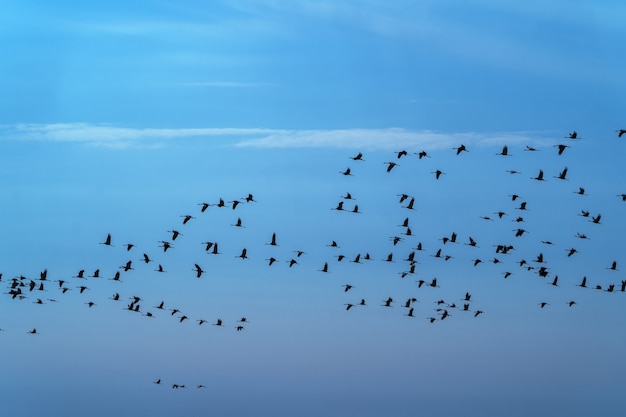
(539, 176)
(198, 270)
(460, 149)
(505, 151)
(107, 241)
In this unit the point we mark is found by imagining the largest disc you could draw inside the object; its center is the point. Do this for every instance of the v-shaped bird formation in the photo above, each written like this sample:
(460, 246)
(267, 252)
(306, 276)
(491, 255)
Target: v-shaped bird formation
(407, 255)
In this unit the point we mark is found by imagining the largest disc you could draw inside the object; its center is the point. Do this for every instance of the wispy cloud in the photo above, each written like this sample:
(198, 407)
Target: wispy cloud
(224, 84)
(386, 139)
(366, 139)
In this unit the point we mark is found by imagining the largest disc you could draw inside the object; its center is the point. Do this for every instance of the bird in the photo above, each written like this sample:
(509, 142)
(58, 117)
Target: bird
(339, 206)
(346, 172)
(402, 153)
(422, 154)
(573, 135)
(561, 148)
(273, 240)
(539, 176)
(505, 151)
(186, 218)
(438, 173)
(358, 157)
(581, 191)
(127, 267)
(243, 255)
(198, 270)
(175, 234)
(390, 166)
(596, 219)
(620, 132)
(460, 149)
(165, 245)
(583, 283)
(562, 175)
(238, 223)
(107, 241)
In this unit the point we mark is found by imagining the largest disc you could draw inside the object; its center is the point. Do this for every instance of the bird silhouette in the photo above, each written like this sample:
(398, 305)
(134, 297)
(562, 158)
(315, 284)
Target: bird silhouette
(561, 148)
(562, 175)
(390, 166)
(186, 218)
(539, 176)
(198, 270)
(346, 172)
(460, 149)
(438, 173)
(505, 151)
(273, 241)
(107, 241)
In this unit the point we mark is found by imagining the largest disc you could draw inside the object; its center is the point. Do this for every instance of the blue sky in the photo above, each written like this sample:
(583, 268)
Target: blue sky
(121, 118)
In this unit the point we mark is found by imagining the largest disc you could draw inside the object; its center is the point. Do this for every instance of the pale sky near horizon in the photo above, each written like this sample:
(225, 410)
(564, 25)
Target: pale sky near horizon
(122, 118)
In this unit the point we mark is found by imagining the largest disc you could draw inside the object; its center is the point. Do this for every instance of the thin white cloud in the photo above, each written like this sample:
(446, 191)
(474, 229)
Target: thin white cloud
(224, 84)
(385, 139)
(366, 139)
(115, 136)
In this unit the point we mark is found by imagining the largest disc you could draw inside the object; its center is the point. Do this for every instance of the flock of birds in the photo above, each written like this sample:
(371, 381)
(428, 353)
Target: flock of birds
(30, 289)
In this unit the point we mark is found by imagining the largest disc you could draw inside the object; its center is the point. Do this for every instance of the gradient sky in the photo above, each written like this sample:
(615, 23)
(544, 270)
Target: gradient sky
(122, 117)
